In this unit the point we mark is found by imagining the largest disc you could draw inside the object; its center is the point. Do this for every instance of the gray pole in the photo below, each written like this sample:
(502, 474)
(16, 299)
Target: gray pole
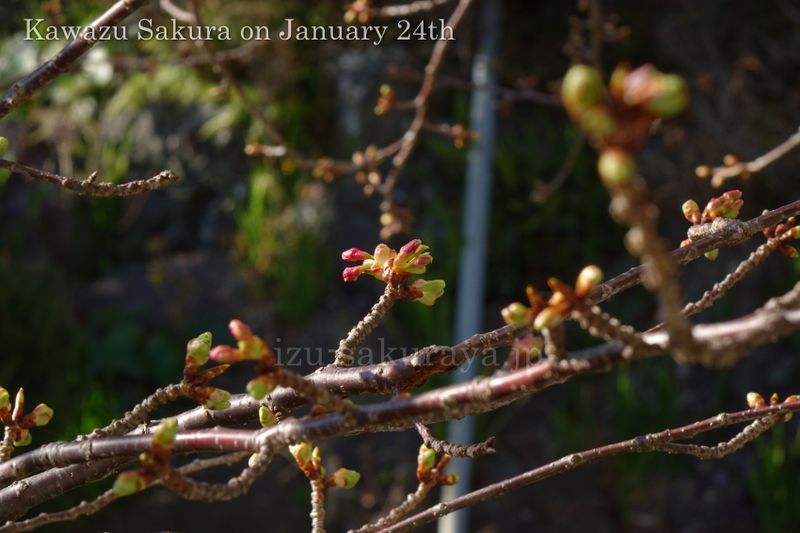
(474, 228)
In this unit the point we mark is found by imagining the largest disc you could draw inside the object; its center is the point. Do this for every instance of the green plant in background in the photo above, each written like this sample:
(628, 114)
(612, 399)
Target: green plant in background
(774, 481)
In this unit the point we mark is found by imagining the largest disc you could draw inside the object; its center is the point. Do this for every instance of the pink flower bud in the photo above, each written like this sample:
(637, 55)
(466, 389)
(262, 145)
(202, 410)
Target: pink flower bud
(354, 254)
(240, 330)
(351, 273)
(225, 354)
(410, 248)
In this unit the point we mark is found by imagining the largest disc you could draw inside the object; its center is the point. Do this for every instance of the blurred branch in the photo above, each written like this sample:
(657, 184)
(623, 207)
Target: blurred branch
(663, 441)
(89, 187)
(25, 88)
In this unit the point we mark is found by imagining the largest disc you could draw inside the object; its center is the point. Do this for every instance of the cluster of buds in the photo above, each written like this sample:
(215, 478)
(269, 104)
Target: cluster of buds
(430, 469)
(618, 119)
(368, 175)
(358, 11)
(395, 268)
(308, 460)
(730, 163)
(726, 205)
(18, 423)
(198, 352)
(250, 347)
(544, 314)
(387, 98)
(755, 400)
(784, 231)
(154, 460)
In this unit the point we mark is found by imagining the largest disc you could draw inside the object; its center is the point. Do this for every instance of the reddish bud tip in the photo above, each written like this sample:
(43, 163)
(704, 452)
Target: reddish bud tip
(354, 254)
(351, 273)
(240, 330)
(225, 354)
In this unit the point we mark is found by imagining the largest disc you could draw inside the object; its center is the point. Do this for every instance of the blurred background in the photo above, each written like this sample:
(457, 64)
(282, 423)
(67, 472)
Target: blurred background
(98, 297)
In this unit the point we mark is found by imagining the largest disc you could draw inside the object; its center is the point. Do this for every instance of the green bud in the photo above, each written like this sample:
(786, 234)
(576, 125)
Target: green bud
(3, 146)
(5, 399)
(581, 89)
(431, 290)
(548, 318)
(426, 459)
(616, 167)
(671, 98)
(41, 415)
(259, 387)
(218, 399)
(754, 400)
(301, 453)
(253, 459)
(164, 434)
(691, 211)
(128, 483)
(517, 315)
(24, 439)
(266, 417)
(712, 254)
(198, 349)
(598, 121)
(345, 479)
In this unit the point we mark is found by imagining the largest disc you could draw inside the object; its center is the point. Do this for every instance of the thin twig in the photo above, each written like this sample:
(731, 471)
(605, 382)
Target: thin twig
(455, 450)
(662, 441)
(356, 336)
(412, 501)
(317, 506)
(89, 187)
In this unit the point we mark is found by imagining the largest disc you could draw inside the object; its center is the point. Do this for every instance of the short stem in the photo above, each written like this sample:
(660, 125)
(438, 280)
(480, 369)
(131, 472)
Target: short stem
(344, 354)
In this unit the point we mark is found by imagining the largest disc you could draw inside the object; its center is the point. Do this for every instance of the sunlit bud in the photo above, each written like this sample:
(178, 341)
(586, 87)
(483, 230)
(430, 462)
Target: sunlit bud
(164, 434)
(259, 387)
(792, 398)
(581, 89)
(24, 438)
(410, 248)
(691, 211)
(548, 318)
(640, 85)
(19, 404)
(729, 160)
(448, 479)
(301, 453)
(225, 354)
(354, 254)
(426, 459)
(616, 84)
(198, 349)
(726, 206)
(218, 399)
(712, 255)
(773, 400)
(41, 415)
(345, 479)
(616, 167)
(266, 417)
(128, 483)
(3, 146)
(703, 171)
(5, 399)
(382, 254)
(431, 290)
(254, 348)
(754, 400)
(670, 98)
(517, 315)
(536, 300)
(253, 460)
(589, 278)
(240, 330)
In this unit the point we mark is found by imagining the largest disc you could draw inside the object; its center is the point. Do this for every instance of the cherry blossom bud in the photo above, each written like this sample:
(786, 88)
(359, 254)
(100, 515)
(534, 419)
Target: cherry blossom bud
(726, 206)
(128, 483)
(198, 349)
(41, 415)
(589, 278)
(670, 98)
(225, 354)
(448, 479)
(19, 404)
(712, 255)
(218, 400)
(598, 121)
(351, 273)
(581, 89)
(354, 254)
(616, 167)
(548, 318)
(302, 454)
(409, 248)
(259, 387)
(5, 399)
(253, 460)
(240, 330)
(431, 290)
(792, 398)
(344, 478)
(691, 211)
(517, 315)
(755, 400)
(266, 417)
(23, 439)
(164, 434)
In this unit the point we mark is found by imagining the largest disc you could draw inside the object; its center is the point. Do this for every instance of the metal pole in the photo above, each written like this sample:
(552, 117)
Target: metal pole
(474, 228)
